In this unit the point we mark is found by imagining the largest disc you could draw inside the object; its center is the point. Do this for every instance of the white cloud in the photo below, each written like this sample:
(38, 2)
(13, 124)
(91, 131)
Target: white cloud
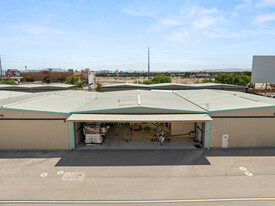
(199, 11)
(267, 3)
(235, 13)
(223, 34)
(262, 18)
(36, 34)
(246, 5)
(170, 21)
(192, 24)
(181, 36)
(204, 22)
(39, 29)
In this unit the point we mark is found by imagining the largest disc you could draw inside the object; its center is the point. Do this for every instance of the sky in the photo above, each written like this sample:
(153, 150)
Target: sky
(182, 34)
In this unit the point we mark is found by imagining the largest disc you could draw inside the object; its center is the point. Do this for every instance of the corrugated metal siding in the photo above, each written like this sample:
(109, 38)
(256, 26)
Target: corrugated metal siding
(182, 128)
(247, 112)
(33, 134)
(245, 132)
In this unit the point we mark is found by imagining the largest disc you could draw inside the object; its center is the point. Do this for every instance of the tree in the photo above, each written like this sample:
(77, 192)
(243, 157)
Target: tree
(244, 80)
(98, 87)
(224, 78)
(71, 80)
(236, 79)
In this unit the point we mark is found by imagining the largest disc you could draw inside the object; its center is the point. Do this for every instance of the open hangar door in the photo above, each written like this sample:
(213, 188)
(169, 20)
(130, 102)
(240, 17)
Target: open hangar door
(136, 131)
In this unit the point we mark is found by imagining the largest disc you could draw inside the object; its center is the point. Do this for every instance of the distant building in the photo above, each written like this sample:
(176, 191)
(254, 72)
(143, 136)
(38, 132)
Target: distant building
(12, 73)
(78, 75)
(104, 71)
(54, 69)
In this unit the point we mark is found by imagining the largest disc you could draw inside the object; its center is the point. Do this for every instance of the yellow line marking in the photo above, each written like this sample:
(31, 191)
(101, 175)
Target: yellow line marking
(137, 201)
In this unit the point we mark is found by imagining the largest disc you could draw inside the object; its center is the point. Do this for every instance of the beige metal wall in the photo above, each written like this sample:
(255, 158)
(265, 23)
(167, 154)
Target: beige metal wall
(182, 127)
(33, 134)
(244, 132)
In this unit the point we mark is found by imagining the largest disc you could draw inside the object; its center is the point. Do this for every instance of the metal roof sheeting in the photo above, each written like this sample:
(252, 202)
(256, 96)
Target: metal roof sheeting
(154, 86)
(58, 102)
(137, 98)
(186, 101)
(217, 100)
(139, 118)
(126, 85)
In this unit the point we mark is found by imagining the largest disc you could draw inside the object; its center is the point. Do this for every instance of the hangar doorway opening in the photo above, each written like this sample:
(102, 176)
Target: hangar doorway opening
(109, 131)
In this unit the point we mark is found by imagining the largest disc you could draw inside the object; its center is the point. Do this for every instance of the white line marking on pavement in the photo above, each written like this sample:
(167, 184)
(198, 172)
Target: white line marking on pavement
(60, 172)
(73, 176)
(243, 169)
(44, 175)
(134, 201)
(248, 174)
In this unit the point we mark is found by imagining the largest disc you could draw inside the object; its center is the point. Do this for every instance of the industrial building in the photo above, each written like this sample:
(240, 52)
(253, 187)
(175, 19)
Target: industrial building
(203, 117)
(172, 86)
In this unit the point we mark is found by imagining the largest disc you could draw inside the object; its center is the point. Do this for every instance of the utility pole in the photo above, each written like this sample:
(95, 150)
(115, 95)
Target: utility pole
(1, 68)
(148, 63)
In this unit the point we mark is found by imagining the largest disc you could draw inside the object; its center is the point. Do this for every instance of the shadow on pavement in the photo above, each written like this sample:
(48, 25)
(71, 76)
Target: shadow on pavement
(137, 157)
(30, 154)
(133, 158)
(241, 152)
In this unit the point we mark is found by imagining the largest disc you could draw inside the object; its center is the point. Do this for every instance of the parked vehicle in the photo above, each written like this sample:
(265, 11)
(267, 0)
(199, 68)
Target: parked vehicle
(95, 132)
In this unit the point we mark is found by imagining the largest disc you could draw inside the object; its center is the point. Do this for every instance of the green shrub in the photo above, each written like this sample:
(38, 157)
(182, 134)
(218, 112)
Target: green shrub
(46, 79)
(29, 79)
(251, 85)
(60, 78)
(98, 87)
(147, 82)
(8, 81)
(159, 79)
(80, 84)
(207, 81)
